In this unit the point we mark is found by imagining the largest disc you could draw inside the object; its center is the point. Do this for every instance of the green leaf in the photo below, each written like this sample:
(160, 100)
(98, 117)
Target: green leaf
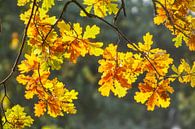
(178, 40)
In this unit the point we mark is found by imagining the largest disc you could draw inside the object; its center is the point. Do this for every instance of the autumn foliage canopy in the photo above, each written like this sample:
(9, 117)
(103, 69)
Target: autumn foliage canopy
(53, 40)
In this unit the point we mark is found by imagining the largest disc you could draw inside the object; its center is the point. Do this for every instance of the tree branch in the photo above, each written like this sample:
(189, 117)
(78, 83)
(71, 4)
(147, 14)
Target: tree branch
(21, 48)
(114, 27)
(124, 8)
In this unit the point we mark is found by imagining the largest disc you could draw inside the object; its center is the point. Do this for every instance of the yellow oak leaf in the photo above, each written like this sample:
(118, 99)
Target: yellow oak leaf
(29, 64)
(47, 4)
(154, 93)
(91, 32)
(77, 43)
(17, 118)
(22, 2)
(100, 8)
(39, 108)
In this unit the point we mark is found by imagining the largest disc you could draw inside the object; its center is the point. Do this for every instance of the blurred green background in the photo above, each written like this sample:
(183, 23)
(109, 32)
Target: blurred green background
(94, 110)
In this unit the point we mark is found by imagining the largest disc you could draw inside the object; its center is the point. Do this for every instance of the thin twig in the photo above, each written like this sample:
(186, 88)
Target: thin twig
(117, 30)
(167, 14)
(60, 17)
(2, 104)
(124, 8)
(22, 47)
(38, 70)
(155, 8)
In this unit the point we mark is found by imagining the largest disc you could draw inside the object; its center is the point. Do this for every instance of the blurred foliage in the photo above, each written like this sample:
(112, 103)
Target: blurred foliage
(95, 111)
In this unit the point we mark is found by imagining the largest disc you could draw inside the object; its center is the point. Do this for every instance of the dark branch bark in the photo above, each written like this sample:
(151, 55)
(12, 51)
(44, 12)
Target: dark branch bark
(124, 8)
